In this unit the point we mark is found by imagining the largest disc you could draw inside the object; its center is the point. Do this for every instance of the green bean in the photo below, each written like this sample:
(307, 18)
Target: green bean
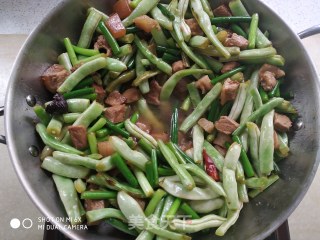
(186, 104)
(118, 161)
(187, 226)
(125, 50)
(206, 7)
(211, 51)
(161, 65)
(143, 181)
(186, 49)
(98, 194)
(194, 94)
(91, 97)
(238, 9)
(89, 28)
(253, 56)
(116, 129)
(79, 185)
(131, 64)
(85, 51)
(198, 140)
(165, 171)
(123, 78)
(105, 164)
(83, 71)
(143, 8)
(154, 219)
(103, 132)
(41, 113)
(104, 180)
(181, 156)
(75, 160)
(232, 156)
(69, 198)
(77, 105)
(264, 96)
(215, 155)
(78, 93)
(99, 214)
(134, 3)
(145, 77)
(98, 125)
(129, 207)
(166, 12)
(158, 36)
(156, 198)
(169, 58)
(154, 162)
(161, 19)
(230, 186)
(177, 189)
(189, 211)
(46, 152)
(231, 219)
(254, 138)
(185, 177)
(244, 158)
(180, 20)
(214, 64)
(227, 74)
(283, 144)
(162, 222)
(148, 147)
(64, 60)
(96, 156)
(231, 19)
(257, 183)
(253, 31)
(174, 126)
(92, 141)
(109, 38)
(256, 97)
(56, 167)
(173, 209)
(243, 193)
(204, 21)
(199, 42)
(133, 157)
(207, 206)
(266, 146)
(71, 53)
(275, 92)
(266, 108)
(239, 102)
(206, 178)
(121, 226)
(286, 107)
(238, 30)
(52, 142)
(255, 192)
(138, 132)
(201, 108)
(54, 127)
(163, 49)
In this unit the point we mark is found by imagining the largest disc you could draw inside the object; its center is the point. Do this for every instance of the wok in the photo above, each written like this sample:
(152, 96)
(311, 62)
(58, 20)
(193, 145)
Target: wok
(259, 218)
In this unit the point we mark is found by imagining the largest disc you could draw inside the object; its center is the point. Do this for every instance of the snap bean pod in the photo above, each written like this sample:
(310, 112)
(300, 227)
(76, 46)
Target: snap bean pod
(201, 108)
(269, 106)
(64, 170)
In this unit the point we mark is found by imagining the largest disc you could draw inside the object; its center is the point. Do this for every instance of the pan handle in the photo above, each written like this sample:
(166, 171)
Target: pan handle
(309, 32)
(2, 138)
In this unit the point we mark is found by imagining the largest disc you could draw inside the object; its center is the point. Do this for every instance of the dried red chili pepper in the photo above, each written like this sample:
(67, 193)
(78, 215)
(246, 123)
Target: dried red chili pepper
(211, 169)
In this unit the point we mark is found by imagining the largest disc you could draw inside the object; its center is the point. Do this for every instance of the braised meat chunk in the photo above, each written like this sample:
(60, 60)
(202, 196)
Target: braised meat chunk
(281, 122)
(78, 136)
(236, 41)
(116, 113)
(268, 75)
(115, 98)
(54, 76)
(226, 125)
(204, 84)
(229, 91)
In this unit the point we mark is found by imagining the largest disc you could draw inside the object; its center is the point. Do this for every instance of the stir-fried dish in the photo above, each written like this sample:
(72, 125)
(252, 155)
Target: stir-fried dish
(165, 118)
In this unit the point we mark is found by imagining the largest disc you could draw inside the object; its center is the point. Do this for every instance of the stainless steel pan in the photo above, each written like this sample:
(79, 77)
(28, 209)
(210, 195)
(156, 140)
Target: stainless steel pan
(259, 218)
